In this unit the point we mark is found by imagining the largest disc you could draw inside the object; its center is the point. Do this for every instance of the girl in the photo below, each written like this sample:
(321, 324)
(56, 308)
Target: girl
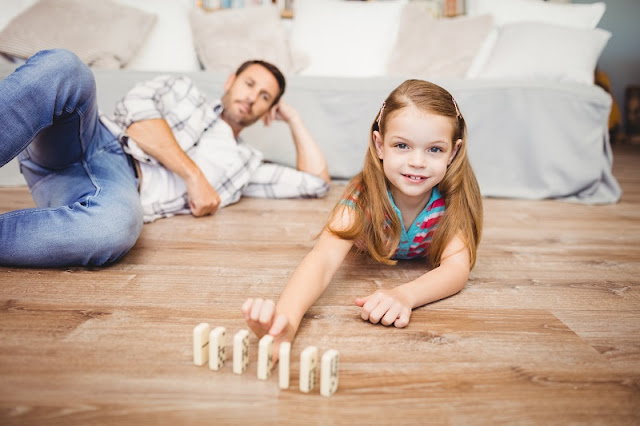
(416, 196)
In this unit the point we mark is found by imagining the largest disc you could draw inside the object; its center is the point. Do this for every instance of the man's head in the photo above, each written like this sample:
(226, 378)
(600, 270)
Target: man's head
(250, 92)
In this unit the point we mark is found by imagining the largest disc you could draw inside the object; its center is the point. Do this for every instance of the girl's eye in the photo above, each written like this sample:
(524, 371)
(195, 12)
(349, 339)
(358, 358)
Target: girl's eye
(435, 149)
(401, 145)
(266, 97)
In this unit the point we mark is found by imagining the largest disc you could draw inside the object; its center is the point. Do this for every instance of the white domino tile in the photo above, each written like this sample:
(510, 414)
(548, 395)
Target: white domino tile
(217, 351)
(241, 351)
(283, 362)
(265, 357)
(201, 344)
(308, 368)
(329, 372)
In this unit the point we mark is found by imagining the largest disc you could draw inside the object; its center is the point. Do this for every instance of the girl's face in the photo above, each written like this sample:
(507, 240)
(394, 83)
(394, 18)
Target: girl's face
(415, 150)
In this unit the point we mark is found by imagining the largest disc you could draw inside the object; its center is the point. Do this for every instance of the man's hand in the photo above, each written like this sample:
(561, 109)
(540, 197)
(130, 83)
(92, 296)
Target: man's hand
(156, 139)
(386, 307)
(203, 199)
(282, 112)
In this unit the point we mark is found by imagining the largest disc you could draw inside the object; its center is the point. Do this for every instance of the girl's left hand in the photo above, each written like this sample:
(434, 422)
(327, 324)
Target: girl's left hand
(387, 307)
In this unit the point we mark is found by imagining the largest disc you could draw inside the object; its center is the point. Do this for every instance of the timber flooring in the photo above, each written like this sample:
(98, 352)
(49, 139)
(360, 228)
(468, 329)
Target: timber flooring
(547, 330)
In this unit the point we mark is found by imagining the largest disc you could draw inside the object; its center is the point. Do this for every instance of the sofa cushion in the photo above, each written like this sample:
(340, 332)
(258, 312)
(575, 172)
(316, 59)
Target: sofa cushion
(530, 50)
(346, 38)
(103, 34)
(430, 48)
(226, 38)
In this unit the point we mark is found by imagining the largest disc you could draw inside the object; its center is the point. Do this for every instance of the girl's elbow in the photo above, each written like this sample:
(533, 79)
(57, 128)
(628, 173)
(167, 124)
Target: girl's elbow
(463, 279)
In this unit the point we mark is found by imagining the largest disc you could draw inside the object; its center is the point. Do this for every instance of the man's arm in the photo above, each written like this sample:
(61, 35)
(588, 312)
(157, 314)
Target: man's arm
(155, 137)
(309, 157)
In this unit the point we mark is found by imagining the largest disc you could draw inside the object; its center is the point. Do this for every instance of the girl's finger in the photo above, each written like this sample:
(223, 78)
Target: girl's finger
(246, 307)
(266, 313)
(279, 325)
(370, 305)
(403, 319)
(256, 308)
(360, 301)
(392, 315)
(378, 312)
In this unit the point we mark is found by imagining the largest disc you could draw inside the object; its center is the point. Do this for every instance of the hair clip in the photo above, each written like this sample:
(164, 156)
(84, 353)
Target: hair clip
(380, 114)
(455, 104)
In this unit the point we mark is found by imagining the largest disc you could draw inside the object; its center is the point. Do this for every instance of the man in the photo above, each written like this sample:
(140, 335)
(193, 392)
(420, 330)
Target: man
(182, 151)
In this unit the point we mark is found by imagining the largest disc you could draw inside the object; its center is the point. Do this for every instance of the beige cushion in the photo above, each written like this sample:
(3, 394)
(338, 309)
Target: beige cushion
(429, 48)
(226, 38)
(103, 34)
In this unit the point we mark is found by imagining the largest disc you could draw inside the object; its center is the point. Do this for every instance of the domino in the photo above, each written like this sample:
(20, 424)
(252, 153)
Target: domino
(283, 369)
(241, 351)
(265, 357)
(308, 368)
(201, 344)
(217, 352)
(329, 372)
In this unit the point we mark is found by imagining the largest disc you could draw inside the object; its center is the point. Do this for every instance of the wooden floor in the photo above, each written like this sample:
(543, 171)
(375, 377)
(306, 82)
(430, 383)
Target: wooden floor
(547, 331)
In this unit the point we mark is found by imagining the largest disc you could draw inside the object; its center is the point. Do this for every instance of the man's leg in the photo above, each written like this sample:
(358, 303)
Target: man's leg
(88, 207)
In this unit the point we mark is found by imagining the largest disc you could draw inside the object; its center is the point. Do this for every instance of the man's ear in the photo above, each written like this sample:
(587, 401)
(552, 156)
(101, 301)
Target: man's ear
(454, 152)
(229, 82)
(377, 141)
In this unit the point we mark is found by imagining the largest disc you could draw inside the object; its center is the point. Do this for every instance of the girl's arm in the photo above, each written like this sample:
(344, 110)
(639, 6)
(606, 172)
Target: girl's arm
(394, 306)
(305, 286)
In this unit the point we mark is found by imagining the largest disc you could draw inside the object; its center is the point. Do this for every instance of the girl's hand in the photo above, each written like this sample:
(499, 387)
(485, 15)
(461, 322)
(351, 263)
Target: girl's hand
(262, 319)
(387, 307)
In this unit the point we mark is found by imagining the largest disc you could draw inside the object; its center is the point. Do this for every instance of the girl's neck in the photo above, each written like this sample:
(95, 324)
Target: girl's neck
(410, 207)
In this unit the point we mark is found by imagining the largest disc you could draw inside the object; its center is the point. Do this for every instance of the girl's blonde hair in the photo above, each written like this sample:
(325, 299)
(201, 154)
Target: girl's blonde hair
(459, 187)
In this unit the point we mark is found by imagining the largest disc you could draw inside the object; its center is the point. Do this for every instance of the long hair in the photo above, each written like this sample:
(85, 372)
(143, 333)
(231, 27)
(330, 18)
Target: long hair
(376, 224)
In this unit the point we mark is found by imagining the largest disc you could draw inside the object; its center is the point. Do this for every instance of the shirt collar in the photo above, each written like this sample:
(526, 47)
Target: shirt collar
(435, 195)
(218, 107)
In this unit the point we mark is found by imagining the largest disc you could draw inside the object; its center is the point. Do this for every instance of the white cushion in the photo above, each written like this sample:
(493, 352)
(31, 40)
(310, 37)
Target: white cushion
(346, 38)
(565, 14)
(584, 16)
(530, 50)
(103, 34)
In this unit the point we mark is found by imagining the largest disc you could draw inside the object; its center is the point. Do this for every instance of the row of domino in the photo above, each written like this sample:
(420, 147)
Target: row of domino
(209, 345)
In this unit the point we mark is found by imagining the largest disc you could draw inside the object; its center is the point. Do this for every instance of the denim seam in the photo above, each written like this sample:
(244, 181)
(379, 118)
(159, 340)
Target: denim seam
(84, 162)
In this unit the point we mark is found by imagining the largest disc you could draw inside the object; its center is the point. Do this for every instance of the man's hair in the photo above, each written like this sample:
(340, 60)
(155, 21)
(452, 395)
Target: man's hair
(272, 69)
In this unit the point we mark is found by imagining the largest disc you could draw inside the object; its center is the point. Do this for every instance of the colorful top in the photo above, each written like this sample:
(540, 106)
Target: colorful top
(415, 241)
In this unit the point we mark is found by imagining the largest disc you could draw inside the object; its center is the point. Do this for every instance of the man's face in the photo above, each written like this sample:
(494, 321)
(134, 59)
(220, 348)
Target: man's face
(248, 96)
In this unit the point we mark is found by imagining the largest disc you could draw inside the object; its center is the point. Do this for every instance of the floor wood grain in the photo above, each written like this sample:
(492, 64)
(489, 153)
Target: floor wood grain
(547, 330)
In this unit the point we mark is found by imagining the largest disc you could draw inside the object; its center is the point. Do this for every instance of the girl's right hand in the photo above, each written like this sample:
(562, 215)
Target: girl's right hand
(262, 319)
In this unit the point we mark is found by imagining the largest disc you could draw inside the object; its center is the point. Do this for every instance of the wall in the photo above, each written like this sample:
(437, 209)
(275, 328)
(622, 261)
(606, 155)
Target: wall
(621, 57)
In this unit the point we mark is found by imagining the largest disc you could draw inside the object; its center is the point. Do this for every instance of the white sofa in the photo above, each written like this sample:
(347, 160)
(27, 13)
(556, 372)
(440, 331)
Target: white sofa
(537, 123)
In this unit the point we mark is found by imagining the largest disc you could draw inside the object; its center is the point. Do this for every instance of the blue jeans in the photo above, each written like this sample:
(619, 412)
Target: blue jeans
(84, 185)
